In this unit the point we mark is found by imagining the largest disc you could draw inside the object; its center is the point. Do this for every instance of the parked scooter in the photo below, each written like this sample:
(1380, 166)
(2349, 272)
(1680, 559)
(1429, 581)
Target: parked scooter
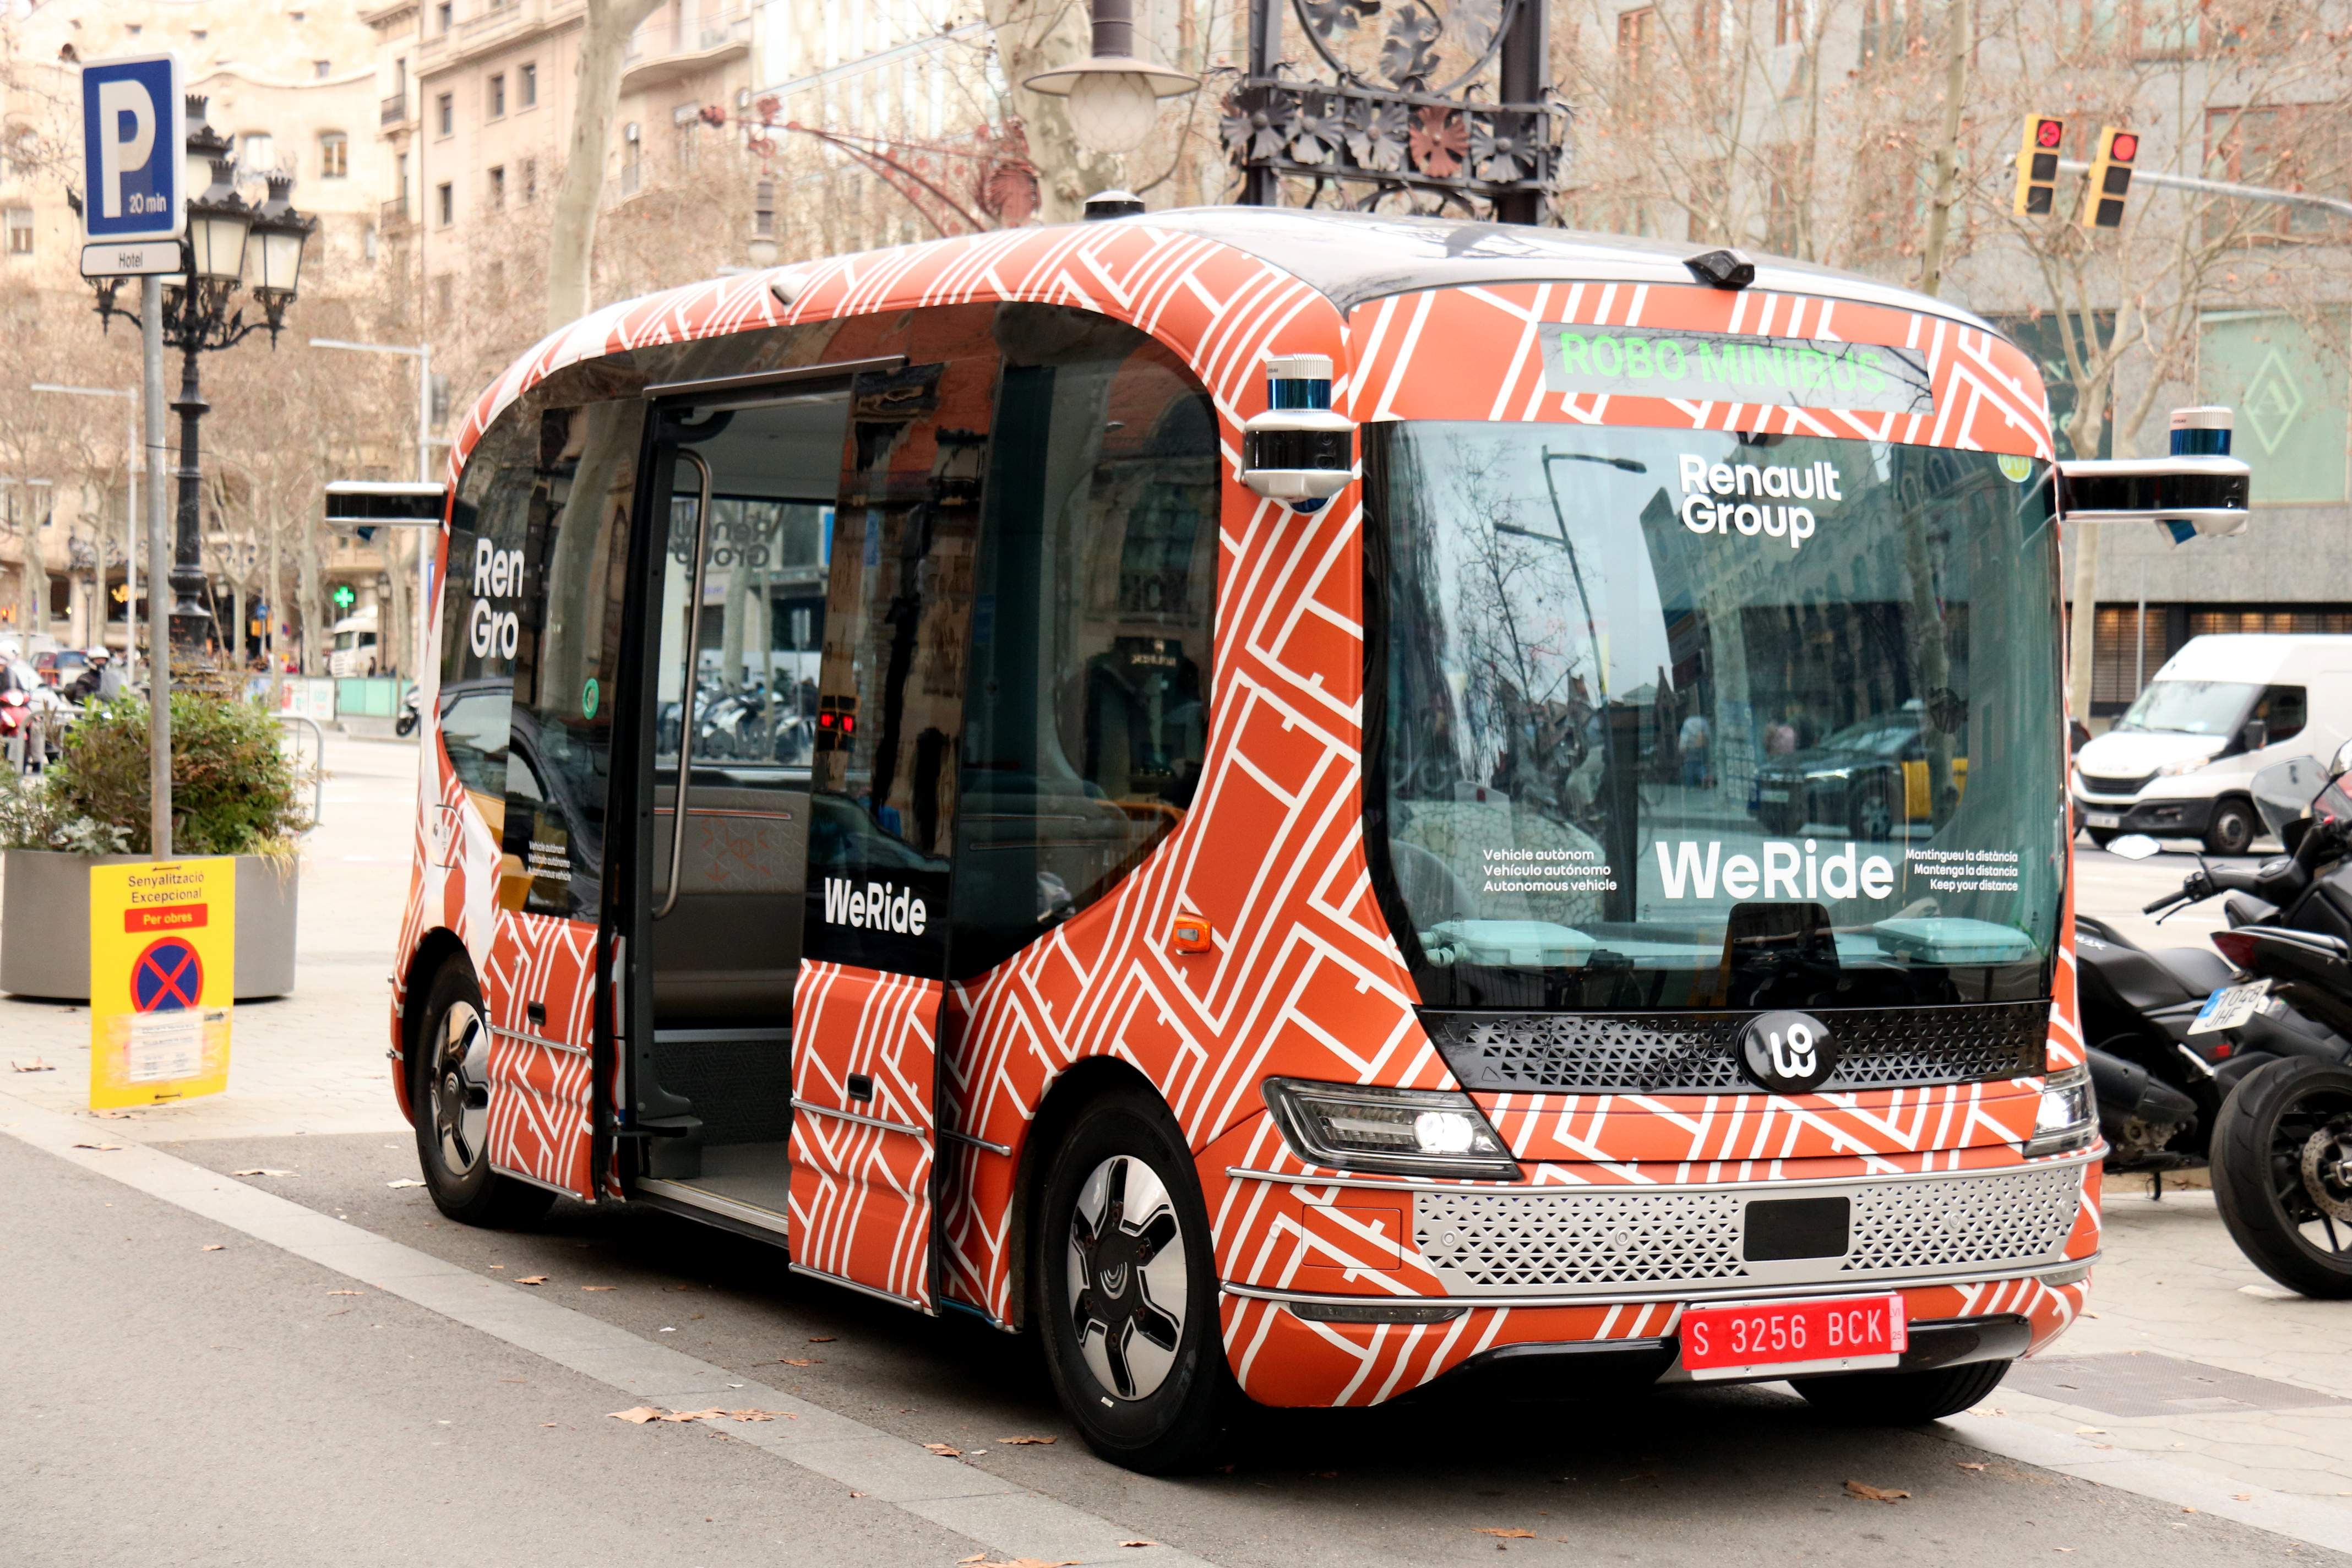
(2281, 1146)
(412, 712)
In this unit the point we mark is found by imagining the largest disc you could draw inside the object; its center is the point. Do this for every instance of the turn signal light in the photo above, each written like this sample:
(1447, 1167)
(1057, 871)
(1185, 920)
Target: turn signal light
(2037, 164)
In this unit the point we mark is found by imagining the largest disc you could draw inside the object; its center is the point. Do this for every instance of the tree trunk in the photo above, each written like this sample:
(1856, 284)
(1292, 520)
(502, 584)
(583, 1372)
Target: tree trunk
(572, 233)
(1960, 43)
(275, 605)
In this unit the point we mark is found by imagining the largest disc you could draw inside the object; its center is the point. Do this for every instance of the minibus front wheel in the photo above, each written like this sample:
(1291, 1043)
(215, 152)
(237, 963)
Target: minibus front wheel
(1125, 1288)
(449, 1102)
(1901, 1398)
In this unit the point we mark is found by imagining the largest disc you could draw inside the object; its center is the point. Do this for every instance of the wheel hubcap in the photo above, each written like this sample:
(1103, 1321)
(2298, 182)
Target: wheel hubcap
(1128, 1282)
(461, 1089)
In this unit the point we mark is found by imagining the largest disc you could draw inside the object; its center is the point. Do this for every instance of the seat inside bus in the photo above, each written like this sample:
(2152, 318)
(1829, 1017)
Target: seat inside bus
(725, 955)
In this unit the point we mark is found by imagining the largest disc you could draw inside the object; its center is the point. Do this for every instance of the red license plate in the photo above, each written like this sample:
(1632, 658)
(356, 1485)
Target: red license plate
(1839, 1335)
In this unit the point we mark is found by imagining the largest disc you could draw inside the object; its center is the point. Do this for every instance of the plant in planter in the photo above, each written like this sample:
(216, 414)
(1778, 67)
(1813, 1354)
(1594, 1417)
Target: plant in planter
(233, 792)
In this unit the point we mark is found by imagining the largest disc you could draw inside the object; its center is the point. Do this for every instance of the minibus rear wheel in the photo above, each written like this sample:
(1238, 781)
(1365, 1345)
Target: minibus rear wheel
(1902, 1398)
(449, 1102)
(1126, 1289)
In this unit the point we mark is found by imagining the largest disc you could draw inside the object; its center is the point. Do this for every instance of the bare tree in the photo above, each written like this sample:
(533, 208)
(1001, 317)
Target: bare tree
(596, 96)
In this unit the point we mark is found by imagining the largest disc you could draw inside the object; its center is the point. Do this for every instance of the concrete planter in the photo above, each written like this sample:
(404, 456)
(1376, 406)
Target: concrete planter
(44, 923)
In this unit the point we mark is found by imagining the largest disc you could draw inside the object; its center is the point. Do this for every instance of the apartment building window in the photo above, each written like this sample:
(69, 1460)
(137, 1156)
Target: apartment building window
(499, 188)
(24, 152)
(444, 201)
(1707, 27)
(529, 180)
(256, 151)
(400, 77)
(445, 114)
(443, 15)
(527, 86)
(1787, 21)
(20, 231)
(496, 98)
(1633, 41)
(334, 156)
(321, 69)
(632, 148)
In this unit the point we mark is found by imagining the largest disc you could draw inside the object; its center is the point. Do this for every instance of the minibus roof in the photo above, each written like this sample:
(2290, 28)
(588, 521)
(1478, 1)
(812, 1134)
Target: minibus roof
(1352, 258)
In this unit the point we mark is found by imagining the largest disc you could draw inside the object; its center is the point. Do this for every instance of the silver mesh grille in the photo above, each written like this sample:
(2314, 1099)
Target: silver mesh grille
(1699, 1053)
(1487, 1242)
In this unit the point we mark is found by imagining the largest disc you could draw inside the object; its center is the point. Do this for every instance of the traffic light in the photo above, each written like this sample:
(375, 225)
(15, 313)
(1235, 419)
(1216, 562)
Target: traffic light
(2037, 164)
(2110, 178)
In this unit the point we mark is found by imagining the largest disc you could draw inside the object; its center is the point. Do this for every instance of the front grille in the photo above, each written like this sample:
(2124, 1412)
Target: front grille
(2092, 785)
(1482, 1241)
(1699, 1053)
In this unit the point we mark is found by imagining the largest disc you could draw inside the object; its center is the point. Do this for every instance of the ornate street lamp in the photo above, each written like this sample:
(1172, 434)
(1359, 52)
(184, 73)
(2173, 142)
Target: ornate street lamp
(1114, 94)
(224, 233)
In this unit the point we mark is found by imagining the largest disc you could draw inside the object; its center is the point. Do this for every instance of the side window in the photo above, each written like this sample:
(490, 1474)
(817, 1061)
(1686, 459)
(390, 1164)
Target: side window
(2284, 710)
(486, 526)
(1086, 713)
(568, 583)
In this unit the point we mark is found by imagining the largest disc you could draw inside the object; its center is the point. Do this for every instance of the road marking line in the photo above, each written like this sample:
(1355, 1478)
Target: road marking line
(990, 1511)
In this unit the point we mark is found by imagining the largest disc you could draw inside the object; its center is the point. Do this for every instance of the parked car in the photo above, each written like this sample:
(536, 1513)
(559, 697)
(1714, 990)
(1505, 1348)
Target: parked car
(2180, 762)
(59, 665)
(1870, 777)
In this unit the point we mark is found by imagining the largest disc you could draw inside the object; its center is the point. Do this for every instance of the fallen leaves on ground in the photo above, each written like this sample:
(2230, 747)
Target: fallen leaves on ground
(1023, 1442)
(342, 1293)
(944, 1451)
(2244, 1497)
(795, 1360)
(213, 1246)
(636, 1415)
(406, 1181)
(99, 1146)
(36, 1065)
(1869, 1493)
(261, 1170)
(1509, 1534)
(533, 1279)
(2090, 1431)
(599, 1286)
(1968, 1465)
(823, 1339)
(640, 1415)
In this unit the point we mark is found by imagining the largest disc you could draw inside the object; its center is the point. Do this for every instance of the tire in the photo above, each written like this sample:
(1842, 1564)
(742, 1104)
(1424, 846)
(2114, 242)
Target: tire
(2279, 1171)
(2233, 827)
(2103, 836)
(448, 1103)
(1872, 816)
(1902, 1398)
(1780, 821)
(1153, 1392)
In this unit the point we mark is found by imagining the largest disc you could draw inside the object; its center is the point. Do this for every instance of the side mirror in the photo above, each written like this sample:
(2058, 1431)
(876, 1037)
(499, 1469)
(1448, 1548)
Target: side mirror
(2342, 762)
(2135, 847)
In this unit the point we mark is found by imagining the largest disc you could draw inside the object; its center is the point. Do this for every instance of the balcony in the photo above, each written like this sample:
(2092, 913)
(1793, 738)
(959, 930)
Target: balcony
(392, 218)
(660, 54)
(394, 111)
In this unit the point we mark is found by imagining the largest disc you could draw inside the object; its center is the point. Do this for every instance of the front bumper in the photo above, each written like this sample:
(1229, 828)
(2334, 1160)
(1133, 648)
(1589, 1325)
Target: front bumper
(2178, 817)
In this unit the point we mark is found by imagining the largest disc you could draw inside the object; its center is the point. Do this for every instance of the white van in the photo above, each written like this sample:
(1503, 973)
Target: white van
(353, 651)
(2180, 762)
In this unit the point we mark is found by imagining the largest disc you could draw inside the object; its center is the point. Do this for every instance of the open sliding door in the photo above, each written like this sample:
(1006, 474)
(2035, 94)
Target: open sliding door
(885, 783)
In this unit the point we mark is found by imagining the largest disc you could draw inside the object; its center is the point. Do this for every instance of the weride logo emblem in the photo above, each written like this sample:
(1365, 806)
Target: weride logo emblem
(876, 906)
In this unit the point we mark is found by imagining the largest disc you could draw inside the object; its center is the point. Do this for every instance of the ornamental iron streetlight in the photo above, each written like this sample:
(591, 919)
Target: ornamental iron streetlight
(1114, 94)
(200, 318)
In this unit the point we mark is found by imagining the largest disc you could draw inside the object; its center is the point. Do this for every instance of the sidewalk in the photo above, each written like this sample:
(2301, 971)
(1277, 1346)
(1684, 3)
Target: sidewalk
(311, 1062)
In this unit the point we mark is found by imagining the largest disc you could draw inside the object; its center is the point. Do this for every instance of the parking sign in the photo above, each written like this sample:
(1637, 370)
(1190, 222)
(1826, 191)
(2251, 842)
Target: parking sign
(134, 126)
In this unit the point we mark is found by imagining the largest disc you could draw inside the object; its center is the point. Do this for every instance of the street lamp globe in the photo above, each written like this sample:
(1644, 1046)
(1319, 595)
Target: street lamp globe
(1114, 94)
(282, 232)
(219, 223)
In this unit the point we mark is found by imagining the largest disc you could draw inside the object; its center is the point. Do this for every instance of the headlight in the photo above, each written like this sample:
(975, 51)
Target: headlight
(1409, 1132)
(2185, 765)
(2066, 1119)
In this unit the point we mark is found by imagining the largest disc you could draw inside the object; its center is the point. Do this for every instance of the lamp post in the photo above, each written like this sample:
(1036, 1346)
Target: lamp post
(130, 519)
(201, 317)
(423, 354)
(1114, 94)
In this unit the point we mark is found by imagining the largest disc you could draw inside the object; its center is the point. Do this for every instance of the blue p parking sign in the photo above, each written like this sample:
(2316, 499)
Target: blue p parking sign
(134, 124)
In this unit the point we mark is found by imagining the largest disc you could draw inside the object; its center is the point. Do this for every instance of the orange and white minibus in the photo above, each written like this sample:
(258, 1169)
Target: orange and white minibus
(1203, 785)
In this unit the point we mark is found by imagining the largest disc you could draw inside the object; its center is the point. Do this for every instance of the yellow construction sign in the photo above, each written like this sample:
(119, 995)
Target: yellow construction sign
(163, 973)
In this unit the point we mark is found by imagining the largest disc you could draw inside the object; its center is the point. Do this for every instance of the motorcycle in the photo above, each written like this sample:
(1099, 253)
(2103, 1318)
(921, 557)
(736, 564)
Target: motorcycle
(2164, 1055)
(2281, 1146)
(16, 727)
(412, 712)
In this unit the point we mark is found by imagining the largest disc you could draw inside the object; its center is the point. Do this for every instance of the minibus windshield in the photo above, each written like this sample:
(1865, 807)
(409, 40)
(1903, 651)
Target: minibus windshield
(1690, 718)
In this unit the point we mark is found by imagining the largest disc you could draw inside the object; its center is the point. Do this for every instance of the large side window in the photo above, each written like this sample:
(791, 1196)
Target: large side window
(486, 526)
(1087, 709)
(2283, 711)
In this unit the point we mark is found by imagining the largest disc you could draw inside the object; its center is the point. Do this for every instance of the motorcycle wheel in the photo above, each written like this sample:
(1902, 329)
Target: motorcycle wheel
(2283, 1174)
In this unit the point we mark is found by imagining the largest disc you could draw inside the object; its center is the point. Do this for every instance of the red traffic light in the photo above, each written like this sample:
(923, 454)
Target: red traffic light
(2050, 132)
(2124, 148)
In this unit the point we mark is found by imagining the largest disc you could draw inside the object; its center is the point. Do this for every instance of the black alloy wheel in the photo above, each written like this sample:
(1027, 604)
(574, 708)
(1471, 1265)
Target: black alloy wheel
(2231, 829)
(2283, 1174)
(449, 1102)
(1901, 1398)
(1872, 816)
(1124, 1287)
